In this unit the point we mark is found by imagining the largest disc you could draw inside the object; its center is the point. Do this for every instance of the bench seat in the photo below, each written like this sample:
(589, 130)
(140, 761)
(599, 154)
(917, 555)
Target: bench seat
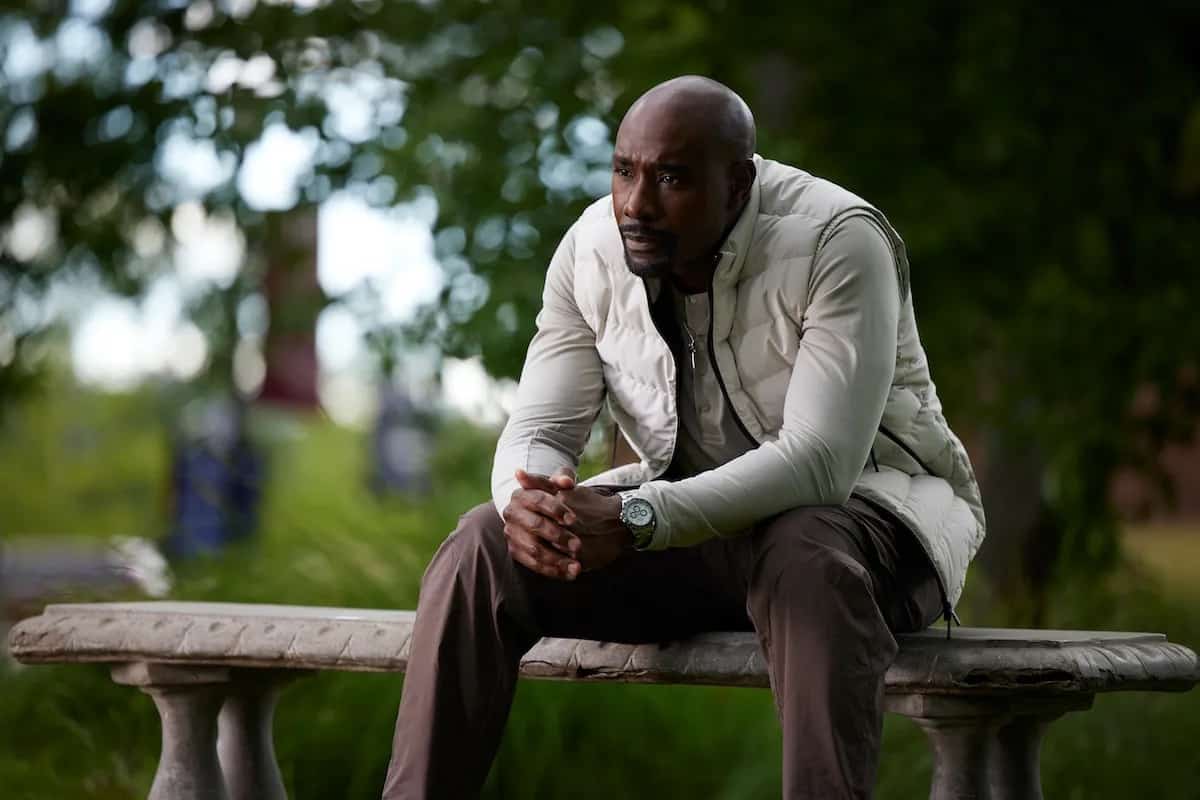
(984, 696)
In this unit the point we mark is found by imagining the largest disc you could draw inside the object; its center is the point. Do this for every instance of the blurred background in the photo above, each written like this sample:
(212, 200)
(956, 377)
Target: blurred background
(268, 270)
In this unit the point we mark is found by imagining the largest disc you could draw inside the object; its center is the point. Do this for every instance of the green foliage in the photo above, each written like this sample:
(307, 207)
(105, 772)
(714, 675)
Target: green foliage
(1042, 165)
(70, 732)
(83, 465)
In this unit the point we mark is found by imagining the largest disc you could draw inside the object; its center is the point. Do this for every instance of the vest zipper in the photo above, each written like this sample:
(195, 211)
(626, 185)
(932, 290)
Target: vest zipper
(712, 357)
(947, 610)
(948, 613)
(908, 450)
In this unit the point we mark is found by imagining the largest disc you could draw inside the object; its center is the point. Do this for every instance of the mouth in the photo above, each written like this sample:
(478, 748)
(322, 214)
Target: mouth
(645, 244)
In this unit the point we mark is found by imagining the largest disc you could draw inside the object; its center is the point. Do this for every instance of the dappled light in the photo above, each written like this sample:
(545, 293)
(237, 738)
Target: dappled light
(270, 271)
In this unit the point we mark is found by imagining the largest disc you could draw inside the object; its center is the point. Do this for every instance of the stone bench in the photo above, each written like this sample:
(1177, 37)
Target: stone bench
(984, 697)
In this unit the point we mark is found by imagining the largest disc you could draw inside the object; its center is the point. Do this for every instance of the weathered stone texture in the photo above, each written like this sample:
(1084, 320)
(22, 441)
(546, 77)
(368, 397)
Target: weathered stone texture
(976, 661)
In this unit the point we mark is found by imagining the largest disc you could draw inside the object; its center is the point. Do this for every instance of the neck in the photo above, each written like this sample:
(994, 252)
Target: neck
(696, 276)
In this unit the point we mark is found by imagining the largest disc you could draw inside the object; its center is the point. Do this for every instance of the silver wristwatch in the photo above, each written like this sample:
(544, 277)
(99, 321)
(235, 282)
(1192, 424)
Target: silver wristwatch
(638, 516)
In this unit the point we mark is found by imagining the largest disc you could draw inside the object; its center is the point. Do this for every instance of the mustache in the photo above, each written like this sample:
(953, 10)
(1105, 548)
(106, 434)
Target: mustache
(643, 232)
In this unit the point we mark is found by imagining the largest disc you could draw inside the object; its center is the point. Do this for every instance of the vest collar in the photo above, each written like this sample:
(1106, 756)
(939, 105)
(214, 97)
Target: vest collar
(733, 250)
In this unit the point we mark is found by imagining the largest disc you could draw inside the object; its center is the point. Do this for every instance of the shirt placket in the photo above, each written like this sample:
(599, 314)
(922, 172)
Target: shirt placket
(703, 398)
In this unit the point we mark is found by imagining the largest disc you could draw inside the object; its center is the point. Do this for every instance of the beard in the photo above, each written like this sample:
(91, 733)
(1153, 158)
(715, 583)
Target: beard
(653, 251)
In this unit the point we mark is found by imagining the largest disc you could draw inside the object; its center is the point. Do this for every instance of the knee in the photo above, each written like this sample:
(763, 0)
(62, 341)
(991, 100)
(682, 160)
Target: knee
(818, 573)
(477, 541)
(803, 555)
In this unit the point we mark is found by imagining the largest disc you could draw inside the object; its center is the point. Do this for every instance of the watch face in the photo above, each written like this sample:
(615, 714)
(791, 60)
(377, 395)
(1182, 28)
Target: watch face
(639, 513)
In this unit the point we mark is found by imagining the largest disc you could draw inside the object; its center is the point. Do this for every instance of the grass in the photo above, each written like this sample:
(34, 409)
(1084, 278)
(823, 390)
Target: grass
(68, 732)
(1169, 553)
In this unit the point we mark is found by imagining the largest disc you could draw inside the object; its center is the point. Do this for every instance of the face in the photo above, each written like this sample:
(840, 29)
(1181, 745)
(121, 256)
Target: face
(673, 197)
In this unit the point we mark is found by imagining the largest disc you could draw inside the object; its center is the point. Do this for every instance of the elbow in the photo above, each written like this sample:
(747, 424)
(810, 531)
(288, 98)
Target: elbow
(836, 486)
(838, 493)
(821, 475)
(843, 475)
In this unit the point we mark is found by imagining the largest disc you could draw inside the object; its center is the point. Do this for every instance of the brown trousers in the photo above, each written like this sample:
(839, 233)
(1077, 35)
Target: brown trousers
(823, 587)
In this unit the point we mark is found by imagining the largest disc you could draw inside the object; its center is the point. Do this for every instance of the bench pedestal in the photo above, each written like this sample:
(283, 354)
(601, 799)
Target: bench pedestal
(985, 749)
(217, 738)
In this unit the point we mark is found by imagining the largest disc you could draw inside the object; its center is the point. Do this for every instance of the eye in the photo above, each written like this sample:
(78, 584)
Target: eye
(668, 179)
(622, 171)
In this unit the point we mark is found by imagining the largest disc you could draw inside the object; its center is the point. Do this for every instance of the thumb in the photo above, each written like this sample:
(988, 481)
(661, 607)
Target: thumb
(541, 482)
(564, 478)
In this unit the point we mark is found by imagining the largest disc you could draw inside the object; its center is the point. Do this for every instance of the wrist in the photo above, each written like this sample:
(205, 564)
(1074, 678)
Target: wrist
(613, 519)
(639, 519)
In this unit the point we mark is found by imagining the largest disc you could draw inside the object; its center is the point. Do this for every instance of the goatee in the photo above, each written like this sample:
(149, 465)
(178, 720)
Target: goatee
(652, 253)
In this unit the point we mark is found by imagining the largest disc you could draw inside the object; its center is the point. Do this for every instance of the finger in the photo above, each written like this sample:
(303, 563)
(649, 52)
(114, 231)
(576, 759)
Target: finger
(540, 503)
(563, 478)
(546, 504)
(543, 528)
(540, 482)
(527, 550)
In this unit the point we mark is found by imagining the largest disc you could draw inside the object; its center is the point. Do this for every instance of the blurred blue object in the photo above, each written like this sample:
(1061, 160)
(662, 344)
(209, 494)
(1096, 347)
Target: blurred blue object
(400, 445)
(216, 483)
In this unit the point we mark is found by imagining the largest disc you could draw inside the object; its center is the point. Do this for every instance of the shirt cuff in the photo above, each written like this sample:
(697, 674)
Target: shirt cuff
(661, 539)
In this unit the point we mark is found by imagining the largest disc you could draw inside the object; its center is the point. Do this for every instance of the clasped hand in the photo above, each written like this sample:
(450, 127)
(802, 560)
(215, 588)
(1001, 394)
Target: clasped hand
(558, 529)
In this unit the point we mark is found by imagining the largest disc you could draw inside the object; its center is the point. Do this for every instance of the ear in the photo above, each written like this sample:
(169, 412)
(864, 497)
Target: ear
(741, 177)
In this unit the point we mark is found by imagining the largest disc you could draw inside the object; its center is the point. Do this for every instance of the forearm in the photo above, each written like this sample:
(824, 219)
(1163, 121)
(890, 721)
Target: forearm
(539, 449)
(560, 391)
(839, 384)
(796, 470)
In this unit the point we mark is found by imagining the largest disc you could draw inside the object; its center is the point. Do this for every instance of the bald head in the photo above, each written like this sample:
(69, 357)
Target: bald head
(683, 170)
(717, 113)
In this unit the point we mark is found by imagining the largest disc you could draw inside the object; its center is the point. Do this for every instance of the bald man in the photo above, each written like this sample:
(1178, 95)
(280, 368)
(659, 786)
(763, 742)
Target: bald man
(750, 327)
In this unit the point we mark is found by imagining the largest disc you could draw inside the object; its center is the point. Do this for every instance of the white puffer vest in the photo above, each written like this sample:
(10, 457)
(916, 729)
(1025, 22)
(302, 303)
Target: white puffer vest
(919, 469)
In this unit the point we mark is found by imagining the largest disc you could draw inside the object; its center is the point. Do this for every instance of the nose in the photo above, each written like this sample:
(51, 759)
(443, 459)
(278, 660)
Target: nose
(641, 203)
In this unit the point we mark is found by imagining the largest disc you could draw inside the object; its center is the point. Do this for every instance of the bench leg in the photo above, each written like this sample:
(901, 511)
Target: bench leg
(188, 702)
(960, 756)
(245, 740)
(217, 741)
(985, 749)
(1014, 769)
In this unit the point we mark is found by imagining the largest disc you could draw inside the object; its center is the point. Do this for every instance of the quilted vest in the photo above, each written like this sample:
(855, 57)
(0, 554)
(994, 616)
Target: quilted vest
(919, 471)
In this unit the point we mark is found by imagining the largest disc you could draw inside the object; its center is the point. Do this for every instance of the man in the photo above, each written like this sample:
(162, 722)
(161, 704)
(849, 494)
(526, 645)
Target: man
(751, 329)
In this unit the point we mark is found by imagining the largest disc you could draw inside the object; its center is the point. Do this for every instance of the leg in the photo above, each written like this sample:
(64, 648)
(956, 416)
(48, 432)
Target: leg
(1014, 768)
(466, 647)
(985, 748)
(1015, 765)
(188, 701)
(825, 587)
(479, 612)
(245, 740)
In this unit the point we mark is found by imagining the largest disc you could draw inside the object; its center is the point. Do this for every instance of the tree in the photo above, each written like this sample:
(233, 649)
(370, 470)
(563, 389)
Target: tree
(1044, 168)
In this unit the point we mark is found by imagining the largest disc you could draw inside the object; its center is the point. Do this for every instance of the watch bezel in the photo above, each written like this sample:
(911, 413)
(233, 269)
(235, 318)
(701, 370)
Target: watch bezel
(643, 534)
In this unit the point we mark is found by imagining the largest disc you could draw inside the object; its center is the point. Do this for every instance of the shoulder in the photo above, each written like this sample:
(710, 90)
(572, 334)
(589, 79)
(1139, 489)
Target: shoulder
(592, 240)
(790, 192)
(795, 208)
(595, 223)
(800, 213)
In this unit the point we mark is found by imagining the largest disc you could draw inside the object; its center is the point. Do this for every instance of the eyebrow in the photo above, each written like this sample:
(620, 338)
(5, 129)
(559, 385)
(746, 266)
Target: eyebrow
(663, 166)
